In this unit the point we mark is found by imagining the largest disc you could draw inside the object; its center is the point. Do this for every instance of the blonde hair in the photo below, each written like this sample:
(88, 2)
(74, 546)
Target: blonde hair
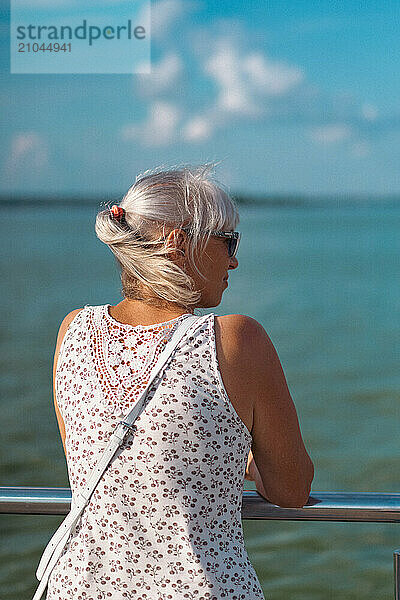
(159, 199)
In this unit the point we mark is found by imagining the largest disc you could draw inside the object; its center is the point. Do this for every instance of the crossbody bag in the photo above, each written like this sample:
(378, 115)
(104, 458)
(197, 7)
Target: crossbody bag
(54, 548)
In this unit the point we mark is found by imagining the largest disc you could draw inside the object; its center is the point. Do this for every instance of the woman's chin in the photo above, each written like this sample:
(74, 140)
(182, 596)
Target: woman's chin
(216, 300)
(210, 302)
(212, 299)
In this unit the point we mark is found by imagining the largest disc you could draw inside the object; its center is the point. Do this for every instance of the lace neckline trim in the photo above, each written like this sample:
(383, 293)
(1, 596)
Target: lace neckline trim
(114, 322)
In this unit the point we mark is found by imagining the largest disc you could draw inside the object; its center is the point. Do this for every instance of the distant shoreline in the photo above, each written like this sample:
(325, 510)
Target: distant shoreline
(323, 201)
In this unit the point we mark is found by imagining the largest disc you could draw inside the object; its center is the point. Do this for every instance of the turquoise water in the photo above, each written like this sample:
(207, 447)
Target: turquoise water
(324, 282)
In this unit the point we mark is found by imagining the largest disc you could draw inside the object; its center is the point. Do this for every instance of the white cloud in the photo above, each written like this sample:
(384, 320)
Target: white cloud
(247, 85)
(271, 77)
(369, 112)
(159, 129)
(224, 66)
(331, 134)
(360, 149)
(163, 76)
(198, 129)
(166, 13)
(246, 80)
(28, 153)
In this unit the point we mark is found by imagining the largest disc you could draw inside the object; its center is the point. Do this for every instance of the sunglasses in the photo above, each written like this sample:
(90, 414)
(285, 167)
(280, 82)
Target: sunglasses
(232, 237)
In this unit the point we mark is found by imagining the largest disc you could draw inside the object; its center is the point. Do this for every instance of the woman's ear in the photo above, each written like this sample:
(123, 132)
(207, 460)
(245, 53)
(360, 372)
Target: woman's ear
(176, 243)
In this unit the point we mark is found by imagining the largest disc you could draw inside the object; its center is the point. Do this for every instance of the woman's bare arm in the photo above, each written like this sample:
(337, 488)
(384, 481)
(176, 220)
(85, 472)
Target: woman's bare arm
(61, 333)
(281, 465)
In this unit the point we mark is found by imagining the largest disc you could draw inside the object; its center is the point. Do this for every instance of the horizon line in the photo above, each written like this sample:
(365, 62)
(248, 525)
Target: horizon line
(279, 198)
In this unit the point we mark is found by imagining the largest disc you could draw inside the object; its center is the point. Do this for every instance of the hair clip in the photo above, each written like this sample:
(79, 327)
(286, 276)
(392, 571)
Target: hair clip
(117, 213)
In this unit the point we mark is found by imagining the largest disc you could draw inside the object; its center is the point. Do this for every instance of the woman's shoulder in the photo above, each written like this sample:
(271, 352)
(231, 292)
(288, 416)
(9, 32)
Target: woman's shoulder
(240, 325)
(65, 323)
(243, 337)
(69, 318)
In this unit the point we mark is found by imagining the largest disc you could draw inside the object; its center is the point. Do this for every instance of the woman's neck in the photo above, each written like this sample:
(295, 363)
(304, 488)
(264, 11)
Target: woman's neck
(137, 312)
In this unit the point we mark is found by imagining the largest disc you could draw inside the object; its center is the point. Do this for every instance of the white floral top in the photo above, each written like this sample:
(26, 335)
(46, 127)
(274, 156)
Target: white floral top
(164, 522)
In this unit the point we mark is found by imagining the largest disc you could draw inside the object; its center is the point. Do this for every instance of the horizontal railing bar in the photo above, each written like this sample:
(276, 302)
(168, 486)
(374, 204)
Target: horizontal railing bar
(368, 507)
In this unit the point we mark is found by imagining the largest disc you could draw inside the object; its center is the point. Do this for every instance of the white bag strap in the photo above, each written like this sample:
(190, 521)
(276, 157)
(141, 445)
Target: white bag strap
(56, 545)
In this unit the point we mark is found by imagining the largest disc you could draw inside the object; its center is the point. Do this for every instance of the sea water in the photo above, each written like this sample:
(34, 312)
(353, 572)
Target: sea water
(324, 281)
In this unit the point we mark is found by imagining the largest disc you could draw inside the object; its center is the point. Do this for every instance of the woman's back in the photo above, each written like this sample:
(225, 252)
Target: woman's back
(165, 519)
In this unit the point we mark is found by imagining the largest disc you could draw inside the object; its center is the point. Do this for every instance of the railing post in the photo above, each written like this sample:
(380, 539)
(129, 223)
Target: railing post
(396, 573)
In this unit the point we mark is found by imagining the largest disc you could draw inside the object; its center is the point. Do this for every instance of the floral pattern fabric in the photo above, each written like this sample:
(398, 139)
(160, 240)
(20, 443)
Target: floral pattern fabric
(164, 522)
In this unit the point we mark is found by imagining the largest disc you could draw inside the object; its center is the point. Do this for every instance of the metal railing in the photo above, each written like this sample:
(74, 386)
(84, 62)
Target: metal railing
(367, 507)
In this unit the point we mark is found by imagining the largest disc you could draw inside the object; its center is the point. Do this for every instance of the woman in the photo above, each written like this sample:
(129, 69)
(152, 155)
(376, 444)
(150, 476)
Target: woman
(165, 519)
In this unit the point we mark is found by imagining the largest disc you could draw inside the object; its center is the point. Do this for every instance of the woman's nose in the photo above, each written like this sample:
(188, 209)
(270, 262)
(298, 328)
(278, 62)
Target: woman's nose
(233, 263)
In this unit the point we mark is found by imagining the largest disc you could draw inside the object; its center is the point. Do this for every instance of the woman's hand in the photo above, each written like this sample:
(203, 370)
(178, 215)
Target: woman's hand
(253, 474)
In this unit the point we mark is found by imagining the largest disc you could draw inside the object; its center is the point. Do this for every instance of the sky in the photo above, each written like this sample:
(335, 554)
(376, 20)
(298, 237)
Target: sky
(290, 98)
